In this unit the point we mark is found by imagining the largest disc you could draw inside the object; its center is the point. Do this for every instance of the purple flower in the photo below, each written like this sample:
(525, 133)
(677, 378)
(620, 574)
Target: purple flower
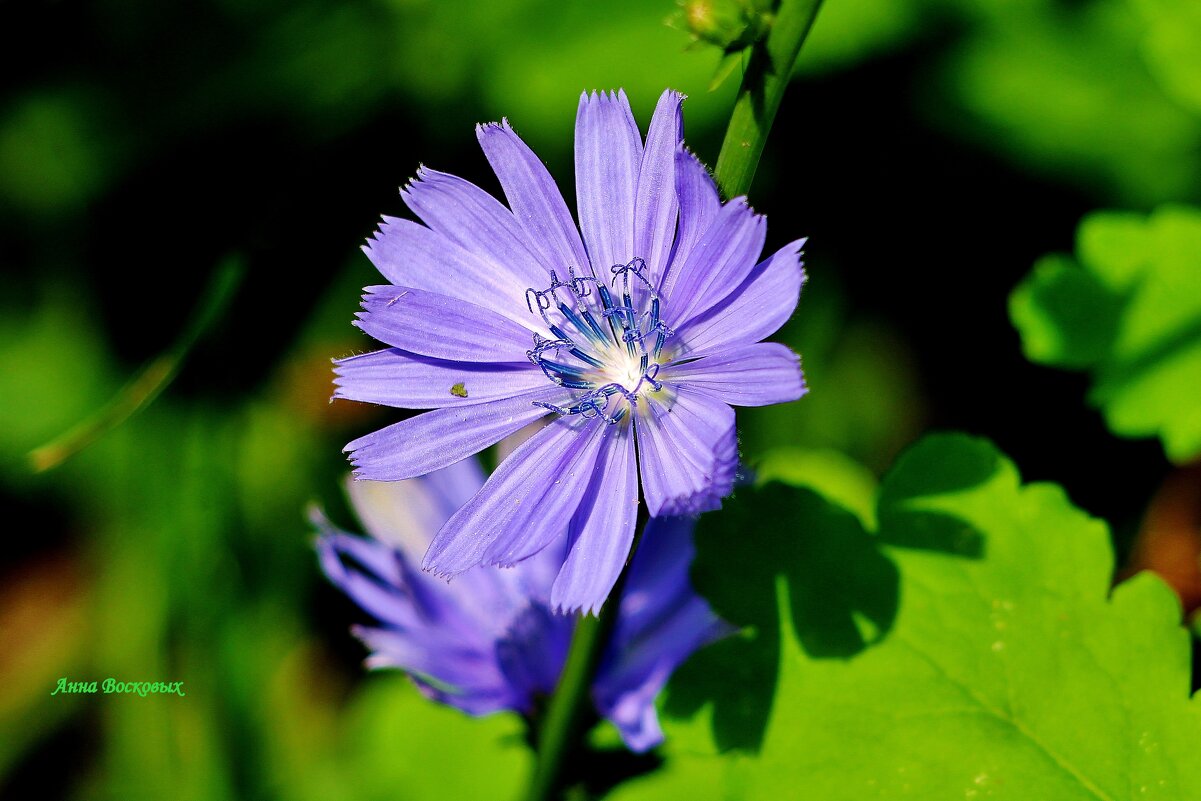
(637, 338)
(488, 640)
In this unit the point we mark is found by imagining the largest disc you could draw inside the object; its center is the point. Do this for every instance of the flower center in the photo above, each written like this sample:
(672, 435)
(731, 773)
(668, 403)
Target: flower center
(608, 350)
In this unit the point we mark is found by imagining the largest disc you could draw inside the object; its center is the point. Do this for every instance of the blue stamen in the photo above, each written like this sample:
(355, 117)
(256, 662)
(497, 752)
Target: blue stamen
(630, 328)
(596, 329)
(581, 326)
(607, 309)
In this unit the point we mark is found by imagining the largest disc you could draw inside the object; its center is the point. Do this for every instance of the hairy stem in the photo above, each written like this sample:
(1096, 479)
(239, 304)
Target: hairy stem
(759, 97)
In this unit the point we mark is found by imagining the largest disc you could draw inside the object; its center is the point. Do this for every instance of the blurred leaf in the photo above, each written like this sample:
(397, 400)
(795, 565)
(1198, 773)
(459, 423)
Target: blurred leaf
(530, 60)
(729, 64)
(44, 613)
(1014, 675)
(865, 399)
(55, 371)
(1068, 92)
(1130, 313)
(55, 153)
(399, 745)
(849, 31)
(1172, 45)
(732, 25)
(1067, 316)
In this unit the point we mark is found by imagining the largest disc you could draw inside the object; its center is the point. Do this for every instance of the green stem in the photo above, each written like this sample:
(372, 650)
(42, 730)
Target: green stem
(759, 97)
(565, 722)
(563, 725)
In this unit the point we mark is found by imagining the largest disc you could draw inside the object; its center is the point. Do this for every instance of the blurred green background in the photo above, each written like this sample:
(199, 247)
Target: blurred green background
(931, 149)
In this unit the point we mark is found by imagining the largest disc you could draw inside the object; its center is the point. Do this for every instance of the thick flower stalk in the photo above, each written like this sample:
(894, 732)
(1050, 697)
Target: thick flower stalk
(488, 640)
(635, 333)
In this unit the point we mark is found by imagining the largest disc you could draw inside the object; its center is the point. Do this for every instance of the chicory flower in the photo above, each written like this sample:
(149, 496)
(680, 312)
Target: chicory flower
(488, 640)
(637, 336)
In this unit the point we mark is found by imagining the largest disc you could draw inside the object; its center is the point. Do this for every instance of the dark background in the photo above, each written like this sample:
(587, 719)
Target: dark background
(932, 150)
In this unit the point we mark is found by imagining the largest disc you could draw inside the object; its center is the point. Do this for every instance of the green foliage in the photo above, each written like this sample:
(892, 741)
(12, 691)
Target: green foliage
(390, 717)
(36, 400)
(849, 31)
(529, 60)
(943, 635)
(54, 156)
(1068, 92)
(865, 399)
(966, 648)
(1172, 46)
(1127, 309)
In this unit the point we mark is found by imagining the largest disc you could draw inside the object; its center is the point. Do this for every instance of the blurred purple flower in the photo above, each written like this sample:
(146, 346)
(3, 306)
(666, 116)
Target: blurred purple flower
(488, 640)
(645, 330)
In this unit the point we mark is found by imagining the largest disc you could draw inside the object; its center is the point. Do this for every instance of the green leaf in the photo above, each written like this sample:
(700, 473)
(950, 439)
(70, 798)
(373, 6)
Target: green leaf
(1170, 45)
(1129, 311)
(907, 663)
(400, 745)
(1068, 92)
(1067, 316)
(851, 31)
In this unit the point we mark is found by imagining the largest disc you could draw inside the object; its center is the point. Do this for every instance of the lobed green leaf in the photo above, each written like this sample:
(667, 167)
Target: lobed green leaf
(968, 647)
(1128, 309)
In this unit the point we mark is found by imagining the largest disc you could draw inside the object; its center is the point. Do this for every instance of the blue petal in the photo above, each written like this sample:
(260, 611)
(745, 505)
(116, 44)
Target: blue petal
(754, 311)
(533, 650)
(440, 438)
(699, 204)
(410, 255)
(541, 519)
(751, 375)
(534, 198)
(661, 623)
(608, 154)
(441, 327)
(394, 377)
(511, 508)
(688, 453)
(656, 204)
(723, 257)
(405, 514)
(473, 219)
(602, 529)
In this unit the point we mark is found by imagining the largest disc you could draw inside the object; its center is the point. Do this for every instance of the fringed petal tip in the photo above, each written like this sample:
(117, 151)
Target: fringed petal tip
(743, 202)
(620, 94)
(482, 129)
(436, 572)
(574, 607)
(722, 480)
(604, 95)
(804, 384)
(691, 505)
(679, 96)
(435, 561)
(386, 221)
(422, 173)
